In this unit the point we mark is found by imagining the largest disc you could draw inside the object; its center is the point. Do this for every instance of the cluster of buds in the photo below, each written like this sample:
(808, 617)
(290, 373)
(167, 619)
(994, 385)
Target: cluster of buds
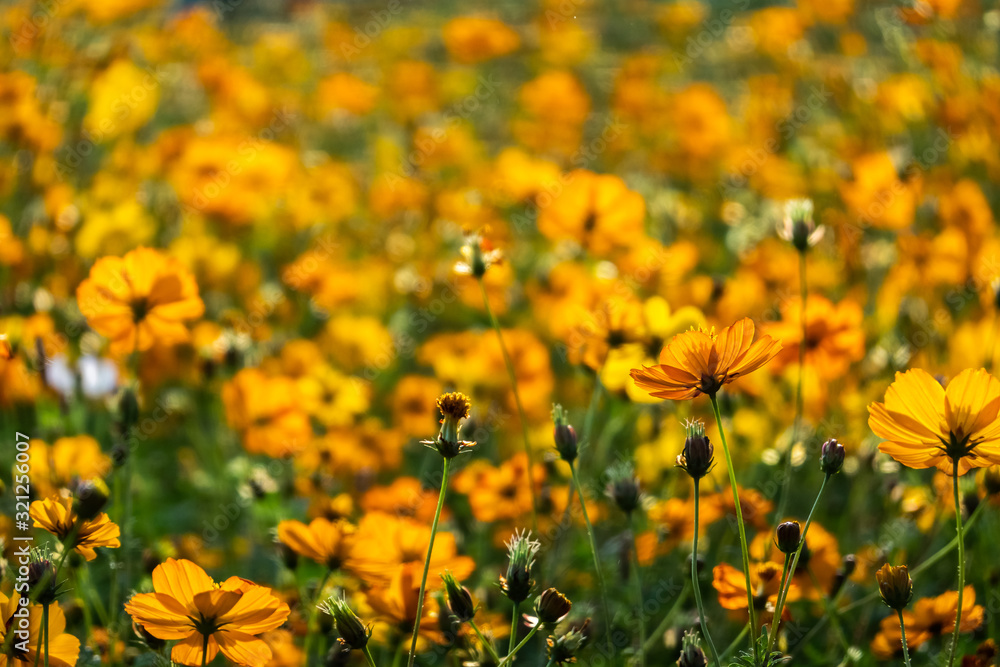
(353, 633)
(454, 408)
(521, 552)
(797, 226)
(698, 456)
(895, 586)
(565, 435)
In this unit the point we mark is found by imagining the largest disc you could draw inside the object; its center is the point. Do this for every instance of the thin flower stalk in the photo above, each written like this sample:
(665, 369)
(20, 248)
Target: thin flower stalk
(739, 520)
(694, 578)
(960, 535)
(783, 592)
(593, 550)
(427, 561)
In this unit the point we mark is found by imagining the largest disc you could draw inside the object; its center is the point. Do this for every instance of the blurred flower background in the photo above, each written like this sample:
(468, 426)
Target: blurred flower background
(288, 290)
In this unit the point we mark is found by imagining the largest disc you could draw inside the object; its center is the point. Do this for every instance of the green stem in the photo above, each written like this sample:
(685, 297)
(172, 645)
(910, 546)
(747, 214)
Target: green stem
(313, 614)
(488, 646)
(776, 620)
(739, 522)
(513, 629)
(510, 656)
(102, 613)
(640, 608)
(902, 632)
(45, 630)
(593, 549)
(204, 649)
(694, 579)
(665, 623)
(961, 568)
(427, 563)
(783, 592)
(799, 406)
(368, 656)
(517, 400)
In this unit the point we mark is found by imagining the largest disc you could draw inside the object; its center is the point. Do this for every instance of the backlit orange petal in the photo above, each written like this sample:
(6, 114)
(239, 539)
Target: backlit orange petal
(182, 580)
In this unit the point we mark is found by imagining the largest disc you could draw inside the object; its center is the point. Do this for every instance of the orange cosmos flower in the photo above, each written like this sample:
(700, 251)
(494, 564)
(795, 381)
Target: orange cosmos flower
(324, 541)
(699, 362)
(56, 515)
(765, 578)
(925, 425)
(188, 607)
(268, 412)
(931, 617)
(396, 604)
(139, 300)
(384, 544)
(63, 649)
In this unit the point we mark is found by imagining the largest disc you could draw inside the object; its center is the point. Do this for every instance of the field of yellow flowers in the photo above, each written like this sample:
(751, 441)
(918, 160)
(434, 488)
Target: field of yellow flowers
(388, 334)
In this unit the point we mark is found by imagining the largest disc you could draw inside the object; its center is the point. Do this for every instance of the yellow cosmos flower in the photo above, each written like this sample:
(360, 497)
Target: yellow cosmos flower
(203, 616)
(56, 515)
(925, 425)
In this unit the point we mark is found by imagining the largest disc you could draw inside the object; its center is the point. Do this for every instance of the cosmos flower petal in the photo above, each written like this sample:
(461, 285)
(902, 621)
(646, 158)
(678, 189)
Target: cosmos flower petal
(242, 648)
(917, 394)
(190, 651)
(216, 603)
(182, 580)
(160, 614)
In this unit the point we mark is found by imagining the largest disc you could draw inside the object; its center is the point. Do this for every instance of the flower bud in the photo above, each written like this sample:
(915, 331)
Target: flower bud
(459, 599)
(454, 408)
(831, 457)
(90, 497)
(552, 606)
(788, 534)
(565, 435)
(691, 653)
(847, 567)
(895, 586)
(42, 584)
(353, 632)
(698, 455)
(517, 583)
(623, 487)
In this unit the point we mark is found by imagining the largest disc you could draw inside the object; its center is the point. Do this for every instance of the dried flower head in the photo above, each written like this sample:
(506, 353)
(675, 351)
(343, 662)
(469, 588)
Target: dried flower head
(454, 407)
(797, 226)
